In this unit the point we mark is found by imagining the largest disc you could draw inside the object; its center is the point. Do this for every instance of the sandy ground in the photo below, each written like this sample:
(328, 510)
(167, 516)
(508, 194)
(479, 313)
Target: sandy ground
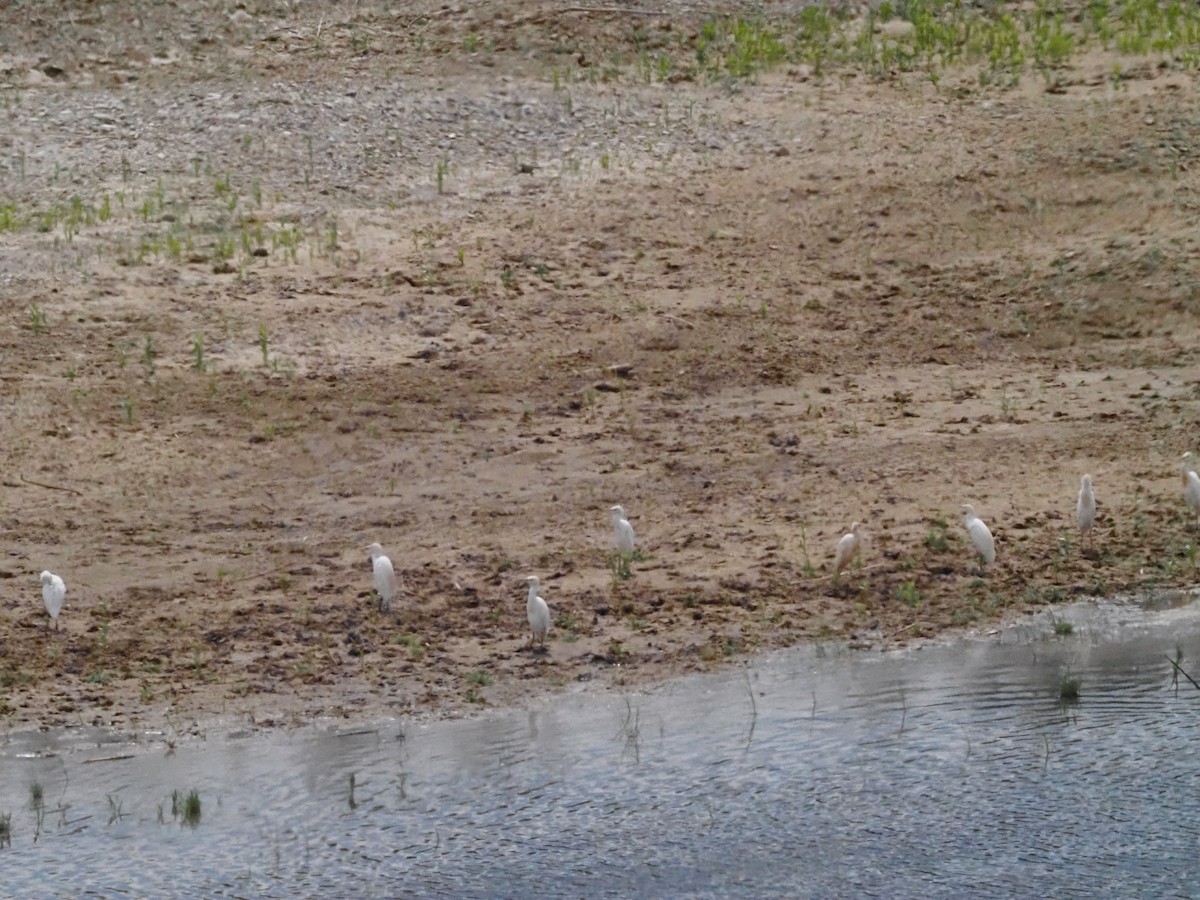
(282, 282)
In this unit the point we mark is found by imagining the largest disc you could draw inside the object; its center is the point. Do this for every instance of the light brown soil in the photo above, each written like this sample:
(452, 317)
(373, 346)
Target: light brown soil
(751, 312)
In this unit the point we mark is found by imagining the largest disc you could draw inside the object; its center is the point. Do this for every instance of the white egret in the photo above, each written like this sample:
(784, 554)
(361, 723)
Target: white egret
(53, 594)
(847, 548)
(1191, 485)
(1085, 506)
(385, 577)
(979, 533)
(623, 530)
(538, 613)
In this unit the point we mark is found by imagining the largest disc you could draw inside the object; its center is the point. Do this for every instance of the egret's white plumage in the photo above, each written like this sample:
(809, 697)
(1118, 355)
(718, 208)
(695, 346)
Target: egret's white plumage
(979, 533)
(847, 548)
(1085, 506)
(54, 592)
(537, 611)
(385, 577)
(1189, 462)
(623, 530)
(1191, 485)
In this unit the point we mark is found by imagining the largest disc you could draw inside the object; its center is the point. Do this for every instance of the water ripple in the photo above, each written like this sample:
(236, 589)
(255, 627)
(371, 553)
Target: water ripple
(953, 771)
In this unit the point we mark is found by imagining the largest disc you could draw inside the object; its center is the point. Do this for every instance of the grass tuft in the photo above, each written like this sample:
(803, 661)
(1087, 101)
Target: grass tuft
(186, 807)
(1068, 688)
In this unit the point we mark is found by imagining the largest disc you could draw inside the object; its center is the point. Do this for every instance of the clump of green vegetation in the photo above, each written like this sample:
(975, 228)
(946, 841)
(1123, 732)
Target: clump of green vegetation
(148, 354)
(186, 807)
(37, 319)
(566, 627)
(739, 47)
(909, 593)
(994, 44)
(10, 678)
(197, 661)
(443, 169)
(936, 537)
(104, 614)
(965, 615)
(1052, 594)
(725, 647)
(1068, 689)
(198, 362)
(479, 677)
(174, 223)
(619, 565)
(412, 642)
(806, 566)
(1062, 627)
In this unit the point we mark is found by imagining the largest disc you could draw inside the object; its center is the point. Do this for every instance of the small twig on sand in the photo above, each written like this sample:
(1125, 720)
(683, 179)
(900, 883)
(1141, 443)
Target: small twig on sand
(52, 487)
(622, 10)
(274, 571)
(663, 315)
(1179, 669)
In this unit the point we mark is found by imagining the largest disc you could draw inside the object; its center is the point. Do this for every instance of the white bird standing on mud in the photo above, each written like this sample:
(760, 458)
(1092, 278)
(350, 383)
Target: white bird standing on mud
(1085, 506)
(847, 548)
(623, 530)
(979, 533)
(1191, 485)
(54, 592)
(385, 577)
(538, 613)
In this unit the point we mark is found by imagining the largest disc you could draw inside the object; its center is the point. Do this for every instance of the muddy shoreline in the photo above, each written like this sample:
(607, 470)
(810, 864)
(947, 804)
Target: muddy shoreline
(293, 284)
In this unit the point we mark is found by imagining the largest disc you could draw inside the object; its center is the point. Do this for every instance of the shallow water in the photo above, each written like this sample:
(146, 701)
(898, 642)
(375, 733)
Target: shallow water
(952, 770)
